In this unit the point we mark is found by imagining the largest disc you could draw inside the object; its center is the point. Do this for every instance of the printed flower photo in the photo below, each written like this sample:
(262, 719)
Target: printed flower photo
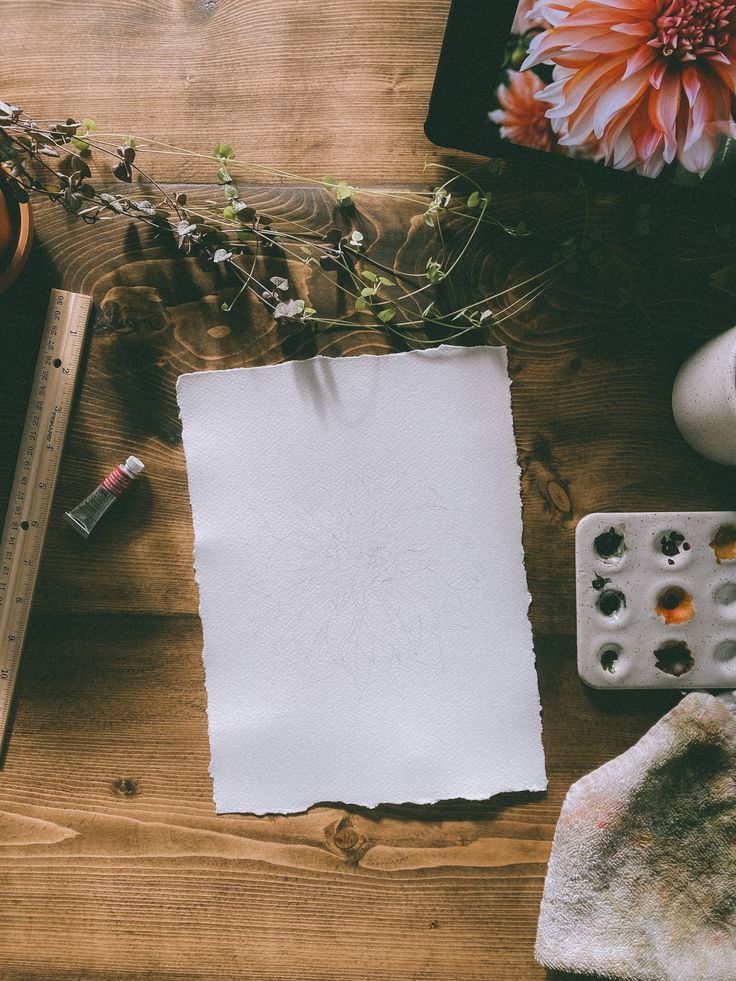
(640, 85)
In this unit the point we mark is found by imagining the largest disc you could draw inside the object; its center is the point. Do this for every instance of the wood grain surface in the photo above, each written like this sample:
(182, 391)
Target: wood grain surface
(340, 86)
(112, 861)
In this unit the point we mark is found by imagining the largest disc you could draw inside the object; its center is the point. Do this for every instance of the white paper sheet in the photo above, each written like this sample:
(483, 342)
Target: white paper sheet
(362, 587)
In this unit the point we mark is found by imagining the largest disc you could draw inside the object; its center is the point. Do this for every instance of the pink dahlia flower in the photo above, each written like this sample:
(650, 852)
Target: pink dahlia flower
(651, 81)
(522, 116)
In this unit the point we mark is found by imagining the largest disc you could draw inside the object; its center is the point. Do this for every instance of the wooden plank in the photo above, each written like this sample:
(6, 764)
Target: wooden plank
(329, 88)
(114, 864)
(591, 379)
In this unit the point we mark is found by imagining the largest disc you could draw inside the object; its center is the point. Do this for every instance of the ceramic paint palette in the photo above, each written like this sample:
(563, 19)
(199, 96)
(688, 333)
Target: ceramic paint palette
(656, 599)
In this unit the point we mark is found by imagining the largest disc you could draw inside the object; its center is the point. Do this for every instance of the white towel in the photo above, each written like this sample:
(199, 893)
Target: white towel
(641, 884)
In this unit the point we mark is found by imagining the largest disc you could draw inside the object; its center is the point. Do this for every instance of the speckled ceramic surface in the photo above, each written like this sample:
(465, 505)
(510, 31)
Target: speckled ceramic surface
(656, 599)
(704, 399)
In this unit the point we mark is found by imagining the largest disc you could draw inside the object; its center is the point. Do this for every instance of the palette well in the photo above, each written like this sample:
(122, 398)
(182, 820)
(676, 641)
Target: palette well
(656, 599)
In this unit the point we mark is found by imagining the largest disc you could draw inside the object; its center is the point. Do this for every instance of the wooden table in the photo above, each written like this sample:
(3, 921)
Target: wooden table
(112, 861)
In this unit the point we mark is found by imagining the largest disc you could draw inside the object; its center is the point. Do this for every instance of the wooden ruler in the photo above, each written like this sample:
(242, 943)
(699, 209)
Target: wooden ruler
(33, 485)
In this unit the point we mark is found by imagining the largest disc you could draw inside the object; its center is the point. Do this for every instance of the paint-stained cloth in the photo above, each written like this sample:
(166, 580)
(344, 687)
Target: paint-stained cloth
(641, 883)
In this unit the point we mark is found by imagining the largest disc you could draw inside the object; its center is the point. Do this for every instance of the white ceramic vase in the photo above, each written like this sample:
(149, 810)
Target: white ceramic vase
(704, 399)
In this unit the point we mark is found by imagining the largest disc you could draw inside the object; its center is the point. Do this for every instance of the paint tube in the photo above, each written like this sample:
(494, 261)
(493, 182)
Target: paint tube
(85, 516)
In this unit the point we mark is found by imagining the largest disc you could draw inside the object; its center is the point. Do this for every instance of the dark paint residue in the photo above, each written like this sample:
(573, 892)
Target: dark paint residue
(611, 601)
(608, 660)
(672, 543)
(609, 544)
(674, 658)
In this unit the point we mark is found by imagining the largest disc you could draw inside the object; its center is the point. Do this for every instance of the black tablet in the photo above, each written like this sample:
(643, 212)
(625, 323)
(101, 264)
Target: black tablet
(639, 87)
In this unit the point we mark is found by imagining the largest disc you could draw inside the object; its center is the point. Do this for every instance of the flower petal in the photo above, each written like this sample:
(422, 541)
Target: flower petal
(618, 97)
(643, 28)
(691, 84)
(699, 157)
(642, 56)
(663, 106)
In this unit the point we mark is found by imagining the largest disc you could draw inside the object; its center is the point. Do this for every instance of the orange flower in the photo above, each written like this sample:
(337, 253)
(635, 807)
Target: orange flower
(651, 81)
(522, 116)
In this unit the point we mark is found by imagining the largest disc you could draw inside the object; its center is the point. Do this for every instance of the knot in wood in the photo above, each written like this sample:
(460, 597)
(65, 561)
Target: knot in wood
(346, 838)
(125, 787)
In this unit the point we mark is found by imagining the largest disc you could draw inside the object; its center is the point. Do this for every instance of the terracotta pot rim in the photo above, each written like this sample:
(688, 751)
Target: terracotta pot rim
(22, 246)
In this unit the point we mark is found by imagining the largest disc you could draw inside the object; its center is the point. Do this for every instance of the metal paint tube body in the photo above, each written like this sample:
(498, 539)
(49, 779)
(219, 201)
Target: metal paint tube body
(85, 516)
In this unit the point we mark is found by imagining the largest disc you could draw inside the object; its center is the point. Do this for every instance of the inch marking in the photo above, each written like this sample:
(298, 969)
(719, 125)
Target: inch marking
(36, 471)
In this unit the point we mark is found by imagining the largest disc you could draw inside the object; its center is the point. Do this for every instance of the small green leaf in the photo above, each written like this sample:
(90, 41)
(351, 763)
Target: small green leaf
(244, 211)
(230, 192)
(435, 272)
(344, 194)
(474, 199)
(342, 190)
(228, 213)
(223, 177)
(386, 315)
(223, 151)
(386, 282)
(361, 304)
(370, 276)
(112, 202)
(368, 291)
(289, 310)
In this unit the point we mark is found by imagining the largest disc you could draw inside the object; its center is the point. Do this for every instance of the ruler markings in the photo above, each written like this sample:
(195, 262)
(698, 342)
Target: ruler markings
(34, 482)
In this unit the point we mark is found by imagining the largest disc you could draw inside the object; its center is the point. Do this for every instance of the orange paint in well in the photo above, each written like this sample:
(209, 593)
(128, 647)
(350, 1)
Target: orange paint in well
(724, 543)
(675, 605)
